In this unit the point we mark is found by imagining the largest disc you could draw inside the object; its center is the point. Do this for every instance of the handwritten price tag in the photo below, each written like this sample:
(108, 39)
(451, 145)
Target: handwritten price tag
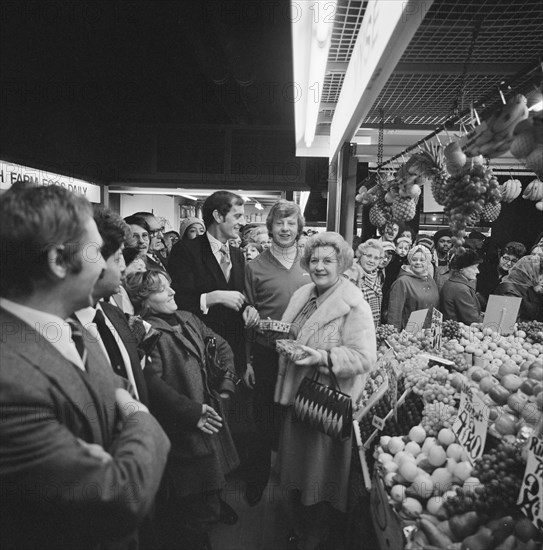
(530, 499)
(378, 422)
(437, 328)
(471, 424)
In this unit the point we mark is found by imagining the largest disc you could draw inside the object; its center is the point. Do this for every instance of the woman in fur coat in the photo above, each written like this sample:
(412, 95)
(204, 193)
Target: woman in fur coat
(333, 325)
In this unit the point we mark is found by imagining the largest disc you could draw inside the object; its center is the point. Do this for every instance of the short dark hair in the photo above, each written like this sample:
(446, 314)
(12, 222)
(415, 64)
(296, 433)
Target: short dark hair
(32, 219)
(113, 230)
(136, 219)
(222, 201)
(283, 209)
(515, 249)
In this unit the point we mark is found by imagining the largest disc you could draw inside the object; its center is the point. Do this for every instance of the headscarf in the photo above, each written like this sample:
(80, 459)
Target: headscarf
(525, 272)
(412, 252)
(186, 223)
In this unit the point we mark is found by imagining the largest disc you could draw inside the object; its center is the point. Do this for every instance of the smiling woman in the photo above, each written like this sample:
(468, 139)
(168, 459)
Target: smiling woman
(203, 452)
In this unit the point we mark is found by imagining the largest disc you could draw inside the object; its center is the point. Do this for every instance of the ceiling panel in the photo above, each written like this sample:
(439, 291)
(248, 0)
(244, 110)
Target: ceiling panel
(462, 52)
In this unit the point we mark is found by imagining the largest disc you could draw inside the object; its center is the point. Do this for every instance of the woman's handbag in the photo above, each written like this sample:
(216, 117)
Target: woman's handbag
(216, 372)
(324, 408)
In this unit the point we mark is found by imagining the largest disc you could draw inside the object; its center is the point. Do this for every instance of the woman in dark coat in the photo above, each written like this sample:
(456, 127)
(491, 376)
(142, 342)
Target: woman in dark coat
(202, 451)
(525, 280)
(495, 267)
(458, 298)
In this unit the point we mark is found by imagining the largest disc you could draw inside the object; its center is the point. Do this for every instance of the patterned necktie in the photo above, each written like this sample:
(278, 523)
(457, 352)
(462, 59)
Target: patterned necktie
(77, 339)
(225, 261)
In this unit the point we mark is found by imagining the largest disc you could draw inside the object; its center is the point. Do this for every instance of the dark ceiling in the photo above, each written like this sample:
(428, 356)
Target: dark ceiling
(75, 75)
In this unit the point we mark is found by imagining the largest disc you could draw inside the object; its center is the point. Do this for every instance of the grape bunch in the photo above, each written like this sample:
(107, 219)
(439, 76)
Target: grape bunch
(451, 329)
(409, 415)
(459, 359)
(374, 381)
(434, 385)
(469, 194)
(384, 332)
(436, 416)
(500, 472)
(533, 330)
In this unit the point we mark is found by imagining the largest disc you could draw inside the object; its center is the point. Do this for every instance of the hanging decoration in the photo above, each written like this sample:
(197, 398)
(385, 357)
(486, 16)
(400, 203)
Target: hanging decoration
(459, 174)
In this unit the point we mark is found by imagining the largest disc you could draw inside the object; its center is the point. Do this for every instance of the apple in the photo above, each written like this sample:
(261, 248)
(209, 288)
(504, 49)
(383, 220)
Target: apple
(508, 368)
(499, 394)
(517, 401)
(528, 386)
(486, 383)
(511, 382)
(506, 424)
(535, 372)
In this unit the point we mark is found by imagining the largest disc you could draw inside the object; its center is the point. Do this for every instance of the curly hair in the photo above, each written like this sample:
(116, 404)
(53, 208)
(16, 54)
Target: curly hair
(344, 252)
(142, 284)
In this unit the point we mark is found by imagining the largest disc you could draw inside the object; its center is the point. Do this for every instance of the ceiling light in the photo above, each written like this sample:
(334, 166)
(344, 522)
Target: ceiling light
(187, 196)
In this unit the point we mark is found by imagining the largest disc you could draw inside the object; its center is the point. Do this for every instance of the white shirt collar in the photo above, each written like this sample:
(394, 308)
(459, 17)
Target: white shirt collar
(216, 245)
(54, 329)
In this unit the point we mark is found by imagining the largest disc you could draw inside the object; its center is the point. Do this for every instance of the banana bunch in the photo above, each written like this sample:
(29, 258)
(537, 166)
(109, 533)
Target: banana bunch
(493, 137)
(510, 190)
(534, 191)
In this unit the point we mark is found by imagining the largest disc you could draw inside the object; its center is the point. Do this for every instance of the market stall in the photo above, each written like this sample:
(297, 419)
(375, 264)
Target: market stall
(450, 434)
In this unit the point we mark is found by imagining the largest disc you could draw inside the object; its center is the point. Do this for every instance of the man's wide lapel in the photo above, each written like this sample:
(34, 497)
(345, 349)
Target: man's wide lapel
(60, 372)
(210, 262)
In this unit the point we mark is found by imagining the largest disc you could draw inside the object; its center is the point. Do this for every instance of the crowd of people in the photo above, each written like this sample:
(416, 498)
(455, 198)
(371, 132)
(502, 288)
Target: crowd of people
(136, 376)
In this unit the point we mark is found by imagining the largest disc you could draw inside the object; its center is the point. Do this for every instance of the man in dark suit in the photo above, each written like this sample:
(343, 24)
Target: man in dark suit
(81, 460)
(208, 274)
(106, 322)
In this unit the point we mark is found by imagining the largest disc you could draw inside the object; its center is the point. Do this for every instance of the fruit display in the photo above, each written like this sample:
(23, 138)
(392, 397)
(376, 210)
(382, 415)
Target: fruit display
(495, 135)
(472, 193)
(442, 498)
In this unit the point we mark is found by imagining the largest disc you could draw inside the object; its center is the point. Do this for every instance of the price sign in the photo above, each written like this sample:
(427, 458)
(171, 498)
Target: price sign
(471, 423)
(392, 387)
(378, 422)
(530, 499)
(437, 328)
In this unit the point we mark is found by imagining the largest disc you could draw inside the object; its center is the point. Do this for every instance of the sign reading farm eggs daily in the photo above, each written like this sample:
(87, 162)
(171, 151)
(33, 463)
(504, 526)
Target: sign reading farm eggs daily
(12, 173)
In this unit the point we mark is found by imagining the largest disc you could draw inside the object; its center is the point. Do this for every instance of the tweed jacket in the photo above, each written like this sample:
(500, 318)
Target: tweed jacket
(342, 324)
(53, 493)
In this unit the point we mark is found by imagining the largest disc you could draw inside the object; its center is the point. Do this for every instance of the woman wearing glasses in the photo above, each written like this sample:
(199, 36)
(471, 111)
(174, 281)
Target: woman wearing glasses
(525, 280)
(491, 274)
(364, 275)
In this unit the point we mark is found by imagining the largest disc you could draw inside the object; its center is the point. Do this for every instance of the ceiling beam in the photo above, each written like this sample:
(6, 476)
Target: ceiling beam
(457, 68)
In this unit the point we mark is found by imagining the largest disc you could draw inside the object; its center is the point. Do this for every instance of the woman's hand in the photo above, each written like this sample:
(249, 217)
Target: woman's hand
(313, 358)
(251, 317)
(249, 376)
(210, 422)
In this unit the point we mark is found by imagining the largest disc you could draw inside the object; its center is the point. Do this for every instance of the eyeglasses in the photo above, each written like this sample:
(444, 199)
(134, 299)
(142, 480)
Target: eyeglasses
(509, 260)
(156, 232)
(370, 257)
